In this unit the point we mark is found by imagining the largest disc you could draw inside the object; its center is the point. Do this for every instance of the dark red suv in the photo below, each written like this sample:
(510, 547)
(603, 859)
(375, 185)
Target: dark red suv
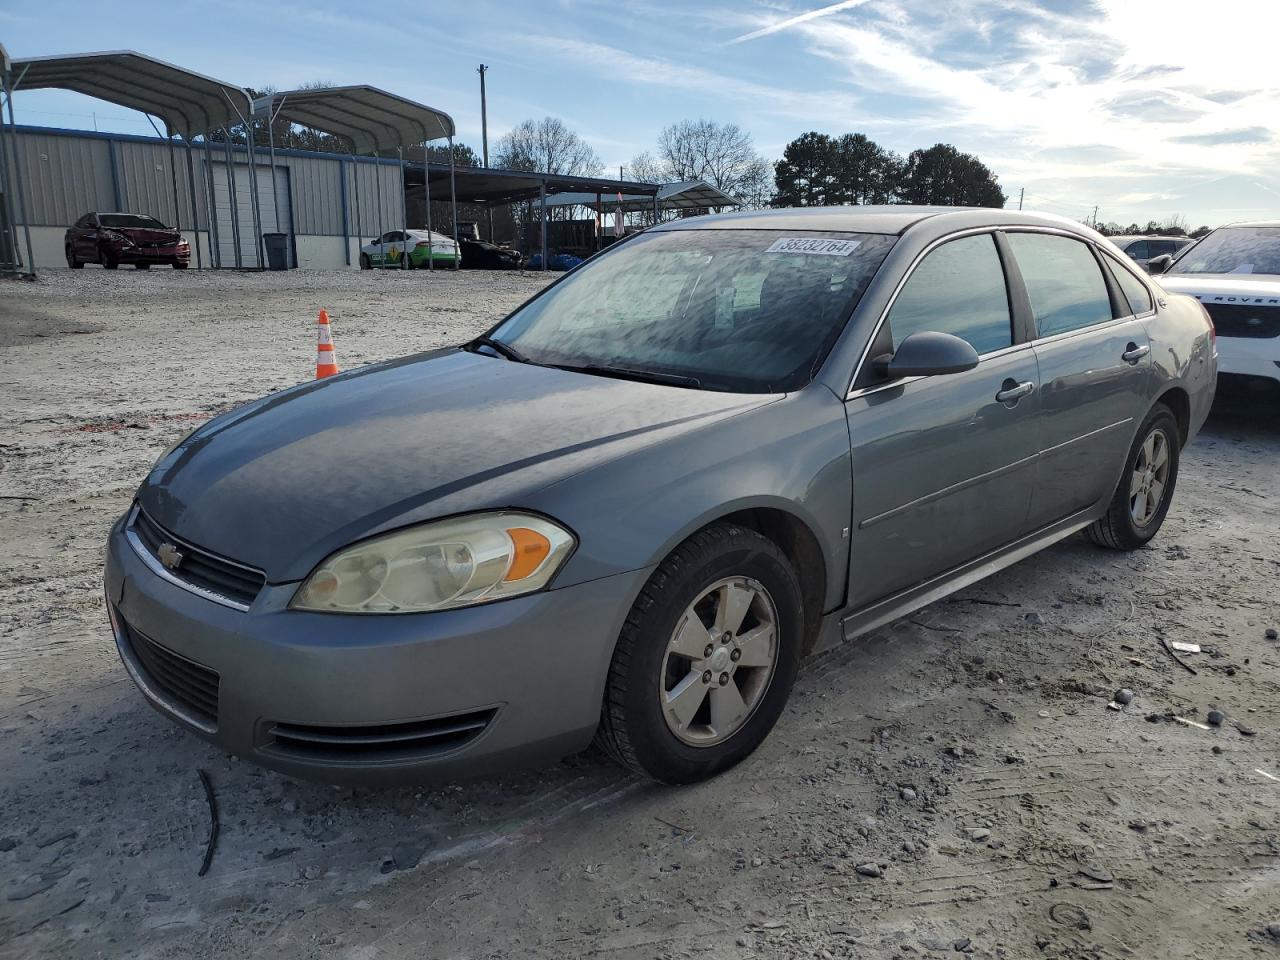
(115, 238)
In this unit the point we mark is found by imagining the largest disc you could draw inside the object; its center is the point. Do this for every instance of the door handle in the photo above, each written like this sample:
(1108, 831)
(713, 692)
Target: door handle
(1011, 391)
(1135, 353)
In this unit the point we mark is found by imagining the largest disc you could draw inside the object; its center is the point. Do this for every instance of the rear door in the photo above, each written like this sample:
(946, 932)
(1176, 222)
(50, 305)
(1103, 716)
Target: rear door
(943, 466)
(1095, 365)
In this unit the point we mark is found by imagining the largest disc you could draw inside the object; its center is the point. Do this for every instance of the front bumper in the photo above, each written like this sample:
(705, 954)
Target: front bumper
(165, 254)
(524, 677)
(1250, 356)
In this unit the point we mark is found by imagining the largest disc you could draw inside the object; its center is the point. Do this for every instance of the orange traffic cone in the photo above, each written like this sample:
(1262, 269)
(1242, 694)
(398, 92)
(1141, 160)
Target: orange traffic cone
(326, 363)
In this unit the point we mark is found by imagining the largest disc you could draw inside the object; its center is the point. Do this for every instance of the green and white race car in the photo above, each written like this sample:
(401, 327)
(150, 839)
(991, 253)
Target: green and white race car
(420, 248)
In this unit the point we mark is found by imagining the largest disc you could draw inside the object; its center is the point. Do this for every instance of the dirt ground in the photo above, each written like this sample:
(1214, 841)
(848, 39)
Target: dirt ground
(965, 756)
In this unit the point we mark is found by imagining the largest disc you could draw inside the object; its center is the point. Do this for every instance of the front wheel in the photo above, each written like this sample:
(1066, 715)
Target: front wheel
(1142, 498)
(142, 266)
(365, 264)
(706, 659)
(74, 262)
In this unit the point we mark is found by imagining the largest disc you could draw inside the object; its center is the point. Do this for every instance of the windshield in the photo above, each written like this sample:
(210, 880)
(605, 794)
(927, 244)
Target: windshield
(131, 220)
(741, 310)
(1233, 250)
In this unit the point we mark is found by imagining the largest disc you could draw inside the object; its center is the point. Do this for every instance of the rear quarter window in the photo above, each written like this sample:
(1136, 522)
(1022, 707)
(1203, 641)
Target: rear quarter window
(1135, 291)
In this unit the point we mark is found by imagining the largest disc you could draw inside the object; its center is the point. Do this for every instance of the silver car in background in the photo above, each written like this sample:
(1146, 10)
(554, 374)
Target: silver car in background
(629, 510)
(1142, 250)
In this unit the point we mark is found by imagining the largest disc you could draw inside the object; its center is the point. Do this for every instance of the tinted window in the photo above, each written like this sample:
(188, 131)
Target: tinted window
(742, 310)
(1063, 281)
(1159, 248)
(1137, 250)
(959, 289)
(1135, 291)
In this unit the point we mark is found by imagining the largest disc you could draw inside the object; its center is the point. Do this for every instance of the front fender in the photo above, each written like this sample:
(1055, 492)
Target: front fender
(792, 456)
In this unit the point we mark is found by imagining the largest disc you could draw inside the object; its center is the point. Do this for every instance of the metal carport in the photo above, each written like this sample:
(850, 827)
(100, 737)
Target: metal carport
(486, 186)
(682, 195)
(373, 121)
(186, 102)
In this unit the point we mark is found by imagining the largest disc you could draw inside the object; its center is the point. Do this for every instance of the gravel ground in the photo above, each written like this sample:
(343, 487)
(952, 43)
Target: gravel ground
(953, 783)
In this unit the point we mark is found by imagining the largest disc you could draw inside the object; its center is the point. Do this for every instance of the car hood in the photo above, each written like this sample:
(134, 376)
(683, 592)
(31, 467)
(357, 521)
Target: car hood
(1224, 287)
(286, 480)
(145, 234)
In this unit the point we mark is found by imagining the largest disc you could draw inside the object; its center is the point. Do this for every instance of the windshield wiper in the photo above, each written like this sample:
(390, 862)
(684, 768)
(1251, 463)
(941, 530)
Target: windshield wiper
(626, 373)
(498, 346)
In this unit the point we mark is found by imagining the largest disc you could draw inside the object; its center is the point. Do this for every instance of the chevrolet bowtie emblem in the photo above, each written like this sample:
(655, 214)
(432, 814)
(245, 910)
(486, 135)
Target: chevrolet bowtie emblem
(169, 555)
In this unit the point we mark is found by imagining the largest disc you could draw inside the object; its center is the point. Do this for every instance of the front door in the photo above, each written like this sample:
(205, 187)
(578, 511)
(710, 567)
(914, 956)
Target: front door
(944, 466)
(1095, 368)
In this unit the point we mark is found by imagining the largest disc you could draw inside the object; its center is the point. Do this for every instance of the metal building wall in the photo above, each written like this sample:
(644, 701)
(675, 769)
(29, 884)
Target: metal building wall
(146, 182)
(316, 187)
(64, 178)
(362, 197)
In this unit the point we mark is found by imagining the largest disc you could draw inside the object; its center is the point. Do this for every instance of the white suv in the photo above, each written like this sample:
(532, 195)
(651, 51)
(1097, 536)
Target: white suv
(1235, 273)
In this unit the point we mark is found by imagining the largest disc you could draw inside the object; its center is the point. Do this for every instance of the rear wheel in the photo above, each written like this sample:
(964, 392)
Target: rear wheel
(1142, 498)
(706, 659)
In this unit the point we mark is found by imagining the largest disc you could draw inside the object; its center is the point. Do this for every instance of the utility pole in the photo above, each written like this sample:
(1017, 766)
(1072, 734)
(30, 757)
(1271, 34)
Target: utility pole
(484, 116)
(1021, 194)
(484, 140)
(1095, 216)
(620, 169)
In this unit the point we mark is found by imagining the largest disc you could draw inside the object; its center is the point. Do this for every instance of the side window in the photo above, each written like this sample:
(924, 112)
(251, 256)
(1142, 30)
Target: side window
(1063, 280)
(1159, 248)
(958, 288)
(1135, 291)
(1137, 250)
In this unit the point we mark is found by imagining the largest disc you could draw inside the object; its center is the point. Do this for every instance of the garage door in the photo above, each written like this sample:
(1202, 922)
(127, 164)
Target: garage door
(238, 230)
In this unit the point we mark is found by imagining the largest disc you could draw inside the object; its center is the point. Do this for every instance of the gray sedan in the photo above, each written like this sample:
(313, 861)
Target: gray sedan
(628, 511)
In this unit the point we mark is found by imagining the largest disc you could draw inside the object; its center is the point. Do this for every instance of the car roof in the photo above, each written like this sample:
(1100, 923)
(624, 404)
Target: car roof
(1146, 236)
(1253, 223)
(886, 219)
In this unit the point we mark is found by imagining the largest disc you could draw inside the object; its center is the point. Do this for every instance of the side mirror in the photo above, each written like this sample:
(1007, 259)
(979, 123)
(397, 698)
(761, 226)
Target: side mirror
(1158, 265)
(928, 354)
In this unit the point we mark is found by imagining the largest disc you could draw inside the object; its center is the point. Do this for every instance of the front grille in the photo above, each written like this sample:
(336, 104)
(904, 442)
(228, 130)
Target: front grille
(1245, 320)
(415, 740)
(200, 568)
(190, 686)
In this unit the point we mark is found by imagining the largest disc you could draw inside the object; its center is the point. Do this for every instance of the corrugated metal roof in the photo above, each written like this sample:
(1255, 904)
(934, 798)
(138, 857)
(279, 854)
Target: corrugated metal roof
(189, 103)
(681, 195)
(371, 119)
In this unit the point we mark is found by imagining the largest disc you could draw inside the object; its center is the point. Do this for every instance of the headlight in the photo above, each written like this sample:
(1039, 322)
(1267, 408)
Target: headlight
(439, 565)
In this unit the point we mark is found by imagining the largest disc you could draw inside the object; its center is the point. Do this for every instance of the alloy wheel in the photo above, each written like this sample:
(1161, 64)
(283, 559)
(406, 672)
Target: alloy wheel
(1150, 478)
(719, 661)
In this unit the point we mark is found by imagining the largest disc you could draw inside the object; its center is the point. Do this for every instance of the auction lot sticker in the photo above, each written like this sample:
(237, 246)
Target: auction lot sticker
(820, 246)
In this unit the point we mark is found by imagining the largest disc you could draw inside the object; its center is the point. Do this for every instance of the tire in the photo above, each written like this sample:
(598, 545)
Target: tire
(638, 726)
(365, 264)
(142, 266)
(180, 265)
(108, 262)
(74, 262)
(1132, 520)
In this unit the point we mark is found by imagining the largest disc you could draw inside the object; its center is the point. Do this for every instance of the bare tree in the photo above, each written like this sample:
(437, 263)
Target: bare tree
(547, 146)
(721, 154)
(646, 168)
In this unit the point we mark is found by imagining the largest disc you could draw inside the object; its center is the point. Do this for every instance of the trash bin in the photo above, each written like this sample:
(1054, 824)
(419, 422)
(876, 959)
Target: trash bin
(277, 250)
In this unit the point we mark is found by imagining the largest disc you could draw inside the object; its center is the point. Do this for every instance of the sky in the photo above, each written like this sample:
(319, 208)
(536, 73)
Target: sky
(1144, 110)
